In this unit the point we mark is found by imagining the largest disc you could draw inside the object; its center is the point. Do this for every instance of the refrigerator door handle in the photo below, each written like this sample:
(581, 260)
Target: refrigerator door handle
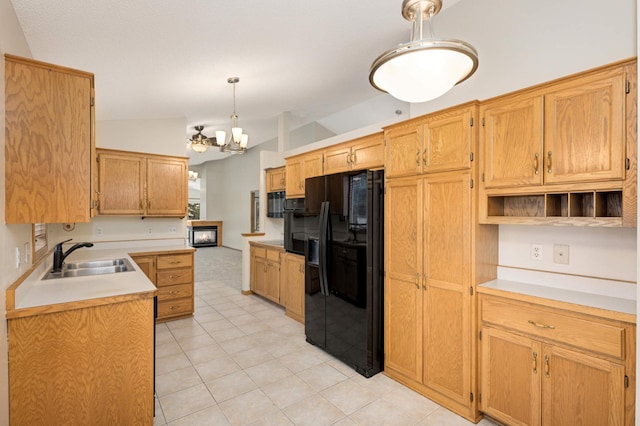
(322, 249)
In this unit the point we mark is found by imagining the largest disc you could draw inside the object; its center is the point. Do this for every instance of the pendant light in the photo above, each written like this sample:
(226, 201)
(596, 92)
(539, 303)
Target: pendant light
(423, 69)
(238, 141)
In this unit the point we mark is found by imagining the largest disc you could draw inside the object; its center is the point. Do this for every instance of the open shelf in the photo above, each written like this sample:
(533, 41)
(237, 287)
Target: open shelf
(602, 207)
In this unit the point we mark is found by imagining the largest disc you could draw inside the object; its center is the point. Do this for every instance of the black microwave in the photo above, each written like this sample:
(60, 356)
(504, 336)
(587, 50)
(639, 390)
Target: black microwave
(275, 204)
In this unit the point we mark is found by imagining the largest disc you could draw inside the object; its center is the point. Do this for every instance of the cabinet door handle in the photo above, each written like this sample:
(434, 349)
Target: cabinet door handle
(418, 158)
(546, 366)
(424, 157)
(353, 158)
(424, 281)
(534, 362)
(348, 158)
(549, 162)
(418, 280)
(552, 327)
(536, 163)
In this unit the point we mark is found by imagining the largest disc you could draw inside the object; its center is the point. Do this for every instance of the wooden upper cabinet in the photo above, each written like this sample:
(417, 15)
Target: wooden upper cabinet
(435, 143)
(293, 178)
(359, 154)
(570, 131)
(448, 140)
(276, 179)
(49, 142)
(121, 184)
(299, 168)
(133, 183)
(403, 153)
(512, 140)
(167, 187)
(584, 135)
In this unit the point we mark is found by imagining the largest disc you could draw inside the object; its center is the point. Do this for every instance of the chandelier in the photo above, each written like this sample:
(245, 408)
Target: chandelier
(238, 141)
(423, 69)
(199, 142)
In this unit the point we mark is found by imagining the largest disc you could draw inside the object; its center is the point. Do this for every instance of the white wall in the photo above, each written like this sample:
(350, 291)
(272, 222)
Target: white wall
(162, 136)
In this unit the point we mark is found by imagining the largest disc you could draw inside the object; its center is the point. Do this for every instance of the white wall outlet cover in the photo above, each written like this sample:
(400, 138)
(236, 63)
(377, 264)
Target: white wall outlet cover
(99, 231)
(536, 252)
(149, 230)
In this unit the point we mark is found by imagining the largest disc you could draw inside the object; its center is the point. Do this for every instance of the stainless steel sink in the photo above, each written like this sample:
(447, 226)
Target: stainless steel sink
(94, 267)
(97, 264)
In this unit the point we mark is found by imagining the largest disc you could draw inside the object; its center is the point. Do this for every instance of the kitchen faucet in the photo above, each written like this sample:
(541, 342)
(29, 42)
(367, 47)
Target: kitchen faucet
(59, 256)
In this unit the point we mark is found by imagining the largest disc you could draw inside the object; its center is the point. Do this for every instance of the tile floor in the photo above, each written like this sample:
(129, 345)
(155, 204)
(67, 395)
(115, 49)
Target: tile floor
(241, 361)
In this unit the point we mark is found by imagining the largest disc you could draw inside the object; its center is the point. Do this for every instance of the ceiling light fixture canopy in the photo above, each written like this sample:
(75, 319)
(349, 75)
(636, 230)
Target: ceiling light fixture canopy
(199, 142)
(423, 69)
(238, 141)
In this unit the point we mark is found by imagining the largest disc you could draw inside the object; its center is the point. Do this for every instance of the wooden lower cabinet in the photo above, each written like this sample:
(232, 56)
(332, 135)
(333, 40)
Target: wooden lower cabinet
(541, 377)
(87, 366)
(292, 285)
(265, 271)
(173, 275)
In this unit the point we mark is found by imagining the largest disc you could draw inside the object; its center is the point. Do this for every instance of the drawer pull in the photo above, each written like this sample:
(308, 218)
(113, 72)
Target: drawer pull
(174, 292)
(534, 361)
(173, 277)
(173, 262)
(552, 327)
(174, 307)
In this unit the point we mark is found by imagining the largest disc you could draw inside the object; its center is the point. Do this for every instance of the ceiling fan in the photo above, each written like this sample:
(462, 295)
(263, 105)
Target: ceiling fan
(199, 142)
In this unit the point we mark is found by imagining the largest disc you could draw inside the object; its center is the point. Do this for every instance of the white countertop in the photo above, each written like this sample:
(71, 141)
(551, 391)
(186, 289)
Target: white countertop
(34, 291)
(589, 299)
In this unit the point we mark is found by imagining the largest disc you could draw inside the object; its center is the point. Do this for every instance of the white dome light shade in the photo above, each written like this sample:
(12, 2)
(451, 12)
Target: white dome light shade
(423, 70)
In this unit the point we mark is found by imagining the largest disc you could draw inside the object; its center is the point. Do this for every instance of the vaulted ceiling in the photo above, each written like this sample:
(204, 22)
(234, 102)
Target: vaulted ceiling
(167, 58)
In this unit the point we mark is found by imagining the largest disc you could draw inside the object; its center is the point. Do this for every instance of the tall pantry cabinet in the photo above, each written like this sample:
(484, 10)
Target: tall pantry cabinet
(435, 255)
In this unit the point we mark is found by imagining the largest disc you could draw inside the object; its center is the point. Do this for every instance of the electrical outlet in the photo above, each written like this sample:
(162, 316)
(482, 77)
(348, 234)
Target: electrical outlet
(172, 229)
(561, 254)
(536, 252)
(17, 257)
(149, 230)
(26, 255)
(99, 231)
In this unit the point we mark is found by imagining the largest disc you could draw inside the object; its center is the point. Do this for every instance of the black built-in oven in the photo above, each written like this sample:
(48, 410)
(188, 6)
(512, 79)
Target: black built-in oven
(294, 234)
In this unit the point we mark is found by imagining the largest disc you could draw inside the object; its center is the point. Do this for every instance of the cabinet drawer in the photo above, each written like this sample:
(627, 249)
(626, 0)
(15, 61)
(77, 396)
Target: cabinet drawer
(594, 336)
(174, 276)
(175, 292)
(169, 308)
(174, 261)
(260, 252)
(273, 255)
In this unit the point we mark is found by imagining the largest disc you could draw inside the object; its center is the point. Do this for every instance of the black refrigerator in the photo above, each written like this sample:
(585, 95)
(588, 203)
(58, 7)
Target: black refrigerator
(344, 267)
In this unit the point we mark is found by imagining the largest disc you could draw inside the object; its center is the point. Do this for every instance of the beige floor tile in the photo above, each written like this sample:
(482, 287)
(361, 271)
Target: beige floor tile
(410, 403)
(209, 416)
(170, 363)
(300, 360)
(240, 344)
(380, 412)
(220, 324)
(348, 396)
(287, 391)
(268, 372)
(196, 342)
(187, 332)
(230, 386)
(226, 334)
(208, 315)
(215, 368)
(206, 353)
(313, 411)
(252, 357)
(185, 402)
(248, 408)
(168, 348)
(158, 419)
(243, 319)
(321, 377)
(176, 380)
(253, 328)
(444, 417)
(345, 422)
(277, 418)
